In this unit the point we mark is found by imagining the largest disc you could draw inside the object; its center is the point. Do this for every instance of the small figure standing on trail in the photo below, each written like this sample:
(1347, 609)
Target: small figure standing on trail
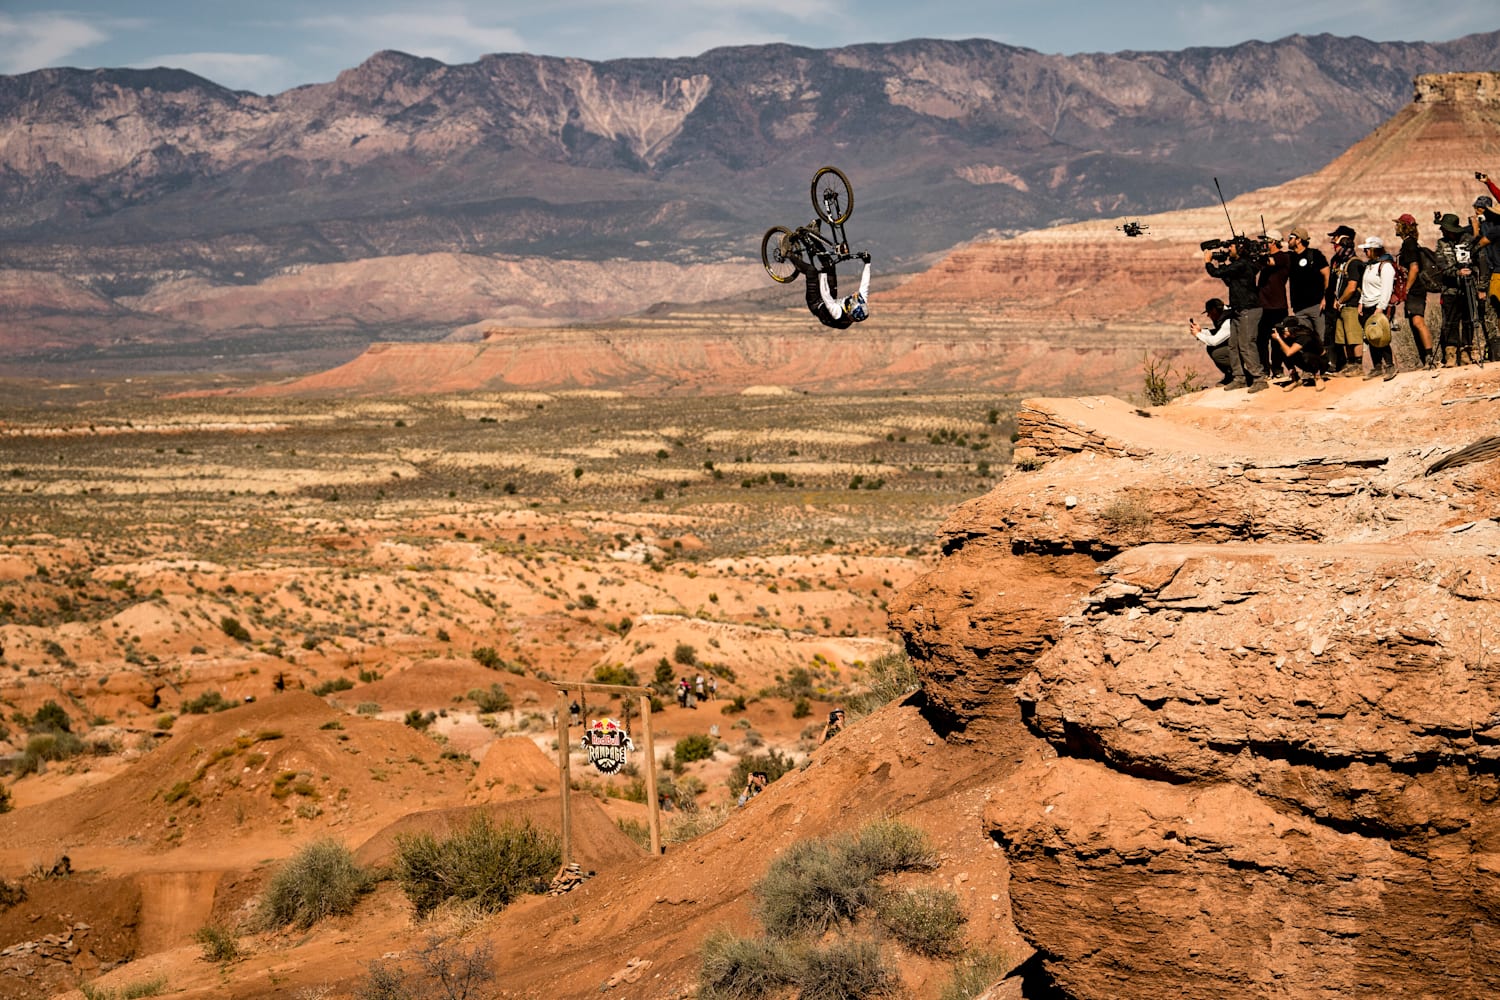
(699, 688)
(682, 692)
(573, 711)
(835, 724)
(713, 688)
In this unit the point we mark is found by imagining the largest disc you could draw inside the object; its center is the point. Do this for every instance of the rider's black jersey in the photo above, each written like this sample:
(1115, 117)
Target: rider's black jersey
(818, 308)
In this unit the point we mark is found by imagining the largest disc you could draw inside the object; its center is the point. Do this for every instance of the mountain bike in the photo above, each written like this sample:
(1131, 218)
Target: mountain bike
(783, 249)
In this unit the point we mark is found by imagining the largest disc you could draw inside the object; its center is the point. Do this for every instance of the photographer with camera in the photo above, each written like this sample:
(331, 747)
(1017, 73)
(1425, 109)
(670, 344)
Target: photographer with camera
(1489, 245)
(1343, 303)
(1234, 263)
(1302, 346)
(1465, 286)
(1215, 338)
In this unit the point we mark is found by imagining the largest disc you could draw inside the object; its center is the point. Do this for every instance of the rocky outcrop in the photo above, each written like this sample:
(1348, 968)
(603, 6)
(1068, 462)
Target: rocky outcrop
(1260, 659)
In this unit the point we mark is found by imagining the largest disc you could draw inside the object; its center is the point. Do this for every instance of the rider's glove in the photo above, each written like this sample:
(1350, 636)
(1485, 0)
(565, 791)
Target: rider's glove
(864, 255)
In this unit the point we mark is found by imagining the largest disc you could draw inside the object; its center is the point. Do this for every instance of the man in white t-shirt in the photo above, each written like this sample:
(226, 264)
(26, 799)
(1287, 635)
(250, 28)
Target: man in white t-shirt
(1215, 337)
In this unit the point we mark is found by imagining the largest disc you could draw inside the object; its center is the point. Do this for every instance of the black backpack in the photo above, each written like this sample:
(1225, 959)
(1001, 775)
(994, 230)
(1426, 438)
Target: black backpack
(1429, 271)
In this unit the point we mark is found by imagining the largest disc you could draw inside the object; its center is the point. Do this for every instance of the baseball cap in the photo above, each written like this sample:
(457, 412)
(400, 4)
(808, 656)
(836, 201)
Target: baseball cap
(1484, 201)
(1406, 217)
(1300, 232)
(1342, 231)
(1212, 304)
(1274, 235)
(1372, 243)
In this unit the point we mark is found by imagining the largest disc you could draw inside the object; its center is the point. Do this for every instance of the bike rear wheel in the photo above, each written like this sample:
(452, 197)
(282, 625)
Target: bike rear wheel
(832, 196)
(778, 264)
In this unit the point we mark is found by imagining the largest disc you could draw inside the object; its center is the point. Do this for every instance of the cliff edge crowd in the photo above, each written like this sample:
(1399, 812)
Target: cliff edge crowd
(1293, 311)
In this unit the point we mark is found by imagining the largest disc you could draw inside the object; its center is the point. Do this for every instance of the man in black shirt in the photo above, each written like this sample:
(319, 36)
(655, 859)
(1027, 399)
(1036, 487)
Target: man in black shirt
(1238, 275)
(1308, 281)
(1409, 260)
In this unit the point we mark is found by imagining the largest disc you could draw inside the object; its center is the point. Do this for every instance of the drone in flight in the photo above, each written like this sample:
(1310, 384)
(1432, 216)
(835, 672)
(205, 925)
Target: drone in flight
(1133, 229)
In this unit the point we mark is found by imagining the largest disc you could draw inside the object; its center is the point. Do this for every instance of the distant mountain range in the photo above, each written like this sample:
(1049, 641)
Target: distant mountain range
(123, 183)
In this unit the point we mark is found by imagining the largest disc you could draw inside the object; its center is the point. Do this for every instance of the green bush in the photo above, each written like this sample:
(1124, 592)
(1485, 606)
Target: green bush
(486, 656)
(208, 701)
(801, 708)
(232, 628)
(847, 969)
(928, 921)
(329, 687)
(44, 747)
(685, 654)
(616, 673)
(815, 885)
(50, 718)
(319, 881)
(419, 720)
(219, 943)
(695, 747)
(491, 701)
(736, 968)
(487, 864)
(5, 803)
(890, 677)
(444, 969)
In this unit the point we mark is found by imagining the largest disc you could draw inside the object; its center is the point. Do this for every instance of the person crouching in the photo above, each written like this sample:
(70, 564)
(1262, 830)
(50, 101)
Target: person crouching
(1302, 346)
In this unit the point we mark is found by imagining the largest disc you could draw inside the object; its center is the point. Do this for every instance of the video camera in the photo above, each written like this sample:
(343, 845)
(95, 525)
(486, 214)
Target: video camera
(1250, 248)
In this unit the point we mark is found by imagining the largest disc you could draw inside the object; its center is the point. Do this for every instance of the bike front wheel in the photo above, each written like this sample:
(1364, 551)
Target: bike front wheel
(776, 259)
(832, 196)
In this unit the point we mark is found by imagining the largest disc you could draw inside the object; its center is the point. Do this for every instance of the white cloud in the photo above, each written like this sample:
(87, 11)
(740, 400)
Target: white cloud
(39, 40)
(263, 74)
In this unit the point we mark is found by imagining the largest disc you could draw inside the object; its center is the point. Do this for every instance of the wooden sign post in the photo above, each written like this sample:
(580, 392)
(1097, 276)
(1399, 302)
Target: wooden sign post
(564, 751)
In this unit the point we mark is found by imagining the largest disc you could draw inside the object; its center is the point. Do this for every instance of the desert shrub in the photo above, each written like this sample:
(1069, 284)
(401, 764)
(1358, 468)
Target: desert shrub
(973, 974)
(490, 701)
(773, 762)
(695, 747)
(685, 654)
(50, 718)
(11, 893)
(1162, 383)
(616, 673)
(5, 805)
(636, 830)
(1126, 513)
(232, 628)
(208, 701)
(801, 708)
(815, 885)
(487, 864)
(688, 824)
(810, 888)
(889, 677)
(321, 880)
(928, 921)
(44, 747)
(887, 846)
(367, 708)
(329, 687)
(846, 969)
(130, 991)
(444, 969)
(418, 720)
(736, 968)
(218, 942)
(487, 657)
(736, 705)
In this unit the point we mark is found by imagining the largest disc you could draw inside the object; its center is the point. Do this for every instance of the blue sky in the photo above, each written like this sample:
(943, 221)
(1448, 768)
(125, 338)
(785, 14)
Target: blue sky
(270, 45)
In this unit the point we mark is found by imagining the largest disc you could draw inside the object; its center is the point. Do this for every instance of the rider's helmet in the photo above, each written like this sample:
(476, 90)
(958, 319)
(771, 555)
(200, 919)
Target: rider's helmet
(854, 306)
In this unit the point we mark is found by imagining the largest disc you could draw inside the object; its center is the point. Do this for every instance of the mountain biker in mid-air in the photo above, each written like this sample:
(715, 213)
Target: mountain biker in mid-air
(823, 293)
(786, 253)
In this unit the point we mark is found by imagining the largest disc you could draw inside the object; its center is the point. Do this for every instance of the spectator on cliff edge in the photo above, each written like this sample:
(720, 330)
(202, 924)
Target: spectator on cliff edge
(1215, 337)
(1270, 288)
(1348, 273)
(1376, 286)
(1302, 346)
(1307, 283)
(1238, 275)
(1488, 220)
(1409, 259)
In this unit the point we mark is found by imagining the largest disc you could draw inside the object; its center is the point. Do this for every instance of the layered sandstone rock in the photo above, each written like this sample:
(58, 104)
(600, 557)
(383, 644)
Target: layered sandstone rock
(1257, 644)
